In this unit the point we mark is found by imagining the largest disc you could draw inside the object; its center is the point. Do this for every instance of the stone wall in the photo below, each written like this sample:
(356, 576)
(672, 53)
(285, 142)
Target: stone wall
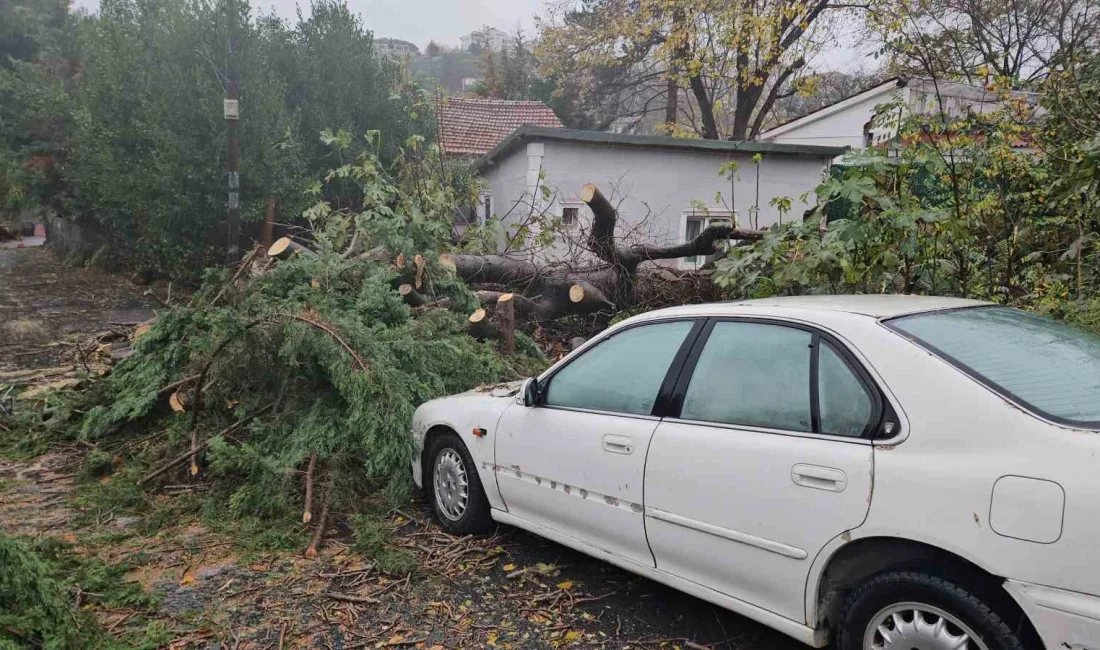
(72, 240)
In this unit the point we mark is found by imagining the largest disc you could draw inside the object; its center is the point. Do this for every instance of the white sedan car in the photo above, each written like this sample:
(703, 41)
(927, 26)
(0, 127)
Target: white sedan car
(898, 472)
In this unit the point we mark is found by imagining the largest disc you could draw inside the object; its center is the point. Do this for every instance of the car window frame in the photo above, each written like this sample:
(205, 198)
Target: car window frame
(664, 392)
(881, 408)
(974, 375)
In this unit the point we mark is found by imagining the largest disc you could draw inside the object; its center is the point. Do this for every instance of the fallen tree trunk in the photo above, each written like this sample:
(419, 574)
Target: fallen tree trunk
(545, 292)
(607, 286)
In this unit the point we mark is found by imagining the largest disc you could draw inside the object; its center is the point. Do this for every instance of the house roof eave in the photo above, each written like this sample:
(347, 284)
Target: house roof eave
(542, 134)
(825, 111)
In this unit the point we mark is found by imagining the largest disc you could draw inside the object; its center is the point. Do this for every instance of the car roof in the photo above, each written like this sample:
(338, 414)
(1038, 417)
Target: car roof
(871, 305)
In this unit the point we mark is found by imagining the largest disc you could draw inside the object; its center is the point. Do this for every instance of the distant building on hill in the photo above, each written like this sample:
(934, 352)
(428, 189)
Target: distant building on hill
(395, 47)
(487, 37)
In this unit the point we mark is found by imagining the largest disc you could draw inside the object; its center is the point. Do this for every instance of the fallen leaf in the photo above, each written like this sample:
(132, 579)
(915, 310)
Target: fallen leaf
(509, 567)
(567, 584)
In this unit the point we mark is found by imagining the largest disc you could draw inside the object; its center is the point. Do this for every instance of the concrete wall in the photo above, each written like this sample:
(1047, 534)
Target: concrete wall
(654, 188)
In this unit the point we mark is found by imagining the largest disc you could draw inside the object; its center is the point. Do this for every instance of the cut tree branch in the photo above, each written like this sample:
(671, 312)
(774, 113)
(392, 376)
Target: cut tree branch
(704, 244)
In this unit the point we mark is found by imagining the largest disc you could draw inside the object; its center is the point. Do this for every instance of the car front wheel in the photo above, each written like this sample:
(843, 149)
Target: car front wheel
(906, 610)
(454, 487)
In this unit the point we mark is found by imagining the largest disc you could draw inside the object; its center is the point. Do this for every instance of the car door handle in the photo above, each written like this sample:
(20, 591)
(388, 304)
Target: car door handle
(618, 444)
(819, 478)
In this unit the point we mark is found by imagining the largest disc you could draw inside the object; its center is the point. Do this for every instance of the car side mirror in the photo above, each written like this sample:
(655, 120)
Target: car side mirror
(531, 391)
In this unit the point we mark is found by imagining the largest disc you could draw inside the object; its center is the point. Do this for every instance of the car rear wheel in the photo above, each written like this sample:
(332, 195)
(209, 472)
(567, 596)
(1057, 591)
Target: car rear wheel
(455, 491)
(906, 610)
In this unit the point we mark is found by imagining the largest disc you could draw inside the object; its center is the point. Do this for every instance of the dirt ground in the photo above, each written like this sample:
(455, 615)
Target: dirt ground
(45, 306)
(508, 590)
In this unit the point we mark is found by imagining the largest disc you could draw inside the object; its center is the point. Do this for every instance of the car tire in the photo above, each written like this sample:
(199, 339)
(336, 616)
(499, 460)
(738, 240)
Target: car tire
(457, 498)
(963, 612)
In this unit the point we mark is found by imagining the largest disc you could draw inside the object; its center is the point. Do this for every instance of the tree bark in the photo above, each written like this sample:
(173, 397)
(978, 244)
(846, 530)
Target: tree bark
(481, 327)
(706, 107)
(506, 314)
(412, 296)
(319, 532)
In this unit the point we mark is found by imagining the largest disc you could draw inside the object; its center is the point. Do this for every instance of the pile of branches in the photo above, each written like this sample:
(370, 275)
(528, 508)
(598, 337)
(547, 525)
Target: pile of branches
(287, 388)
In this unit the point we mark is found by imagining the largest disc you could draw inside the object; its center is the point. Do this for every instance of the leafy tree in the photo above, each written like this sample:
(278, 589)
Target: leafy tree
(134, 143)
(433, 49)
(38, 61)
(31, 28)
(1018, 40)
(984, 205)
(492, 81)
(731, 60)
(818, 90)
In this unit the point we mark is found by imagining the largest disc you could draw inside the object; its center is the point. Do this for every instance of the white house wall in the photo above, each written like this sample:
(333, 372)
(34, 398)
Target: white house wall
(843, 128)
(655, 185)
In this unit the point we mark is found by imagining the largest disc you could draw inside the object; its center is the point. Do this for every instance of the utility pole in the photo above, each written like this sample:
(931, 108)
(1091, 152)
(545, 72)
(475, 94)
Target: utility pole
(232, 115)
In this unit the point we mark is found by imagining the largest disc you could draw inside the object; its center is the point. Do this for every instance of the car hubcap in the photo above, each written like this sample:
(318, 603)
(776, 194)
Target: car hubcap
(916, 626)
(452, 490)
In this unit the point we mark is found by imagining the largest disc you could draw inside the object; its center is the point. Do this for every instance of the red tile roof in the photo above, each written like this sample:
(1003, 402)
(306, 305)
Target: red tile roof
(473, 126)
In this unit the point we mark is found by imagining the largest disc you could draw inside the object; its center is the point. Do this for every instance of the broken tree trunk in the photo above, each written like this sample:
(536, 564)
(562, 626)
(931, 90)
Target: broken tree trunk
(606, 286)
(481, 327)
(285, 247)
(412, 296)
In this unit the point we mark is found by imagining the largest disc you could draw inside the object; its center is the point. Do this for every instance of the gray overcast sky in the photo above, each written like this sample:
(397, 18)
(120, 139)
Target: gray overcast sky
(445, 21)
(420, 20)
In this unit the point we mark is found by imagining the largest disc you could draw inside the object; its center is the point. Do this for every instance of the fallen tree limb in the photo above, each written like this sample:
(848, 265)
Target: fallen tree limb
(307, 515)
(313, 320)
(319, 532)
(245, 264)
(704, 244)
(348, 598)
(171, 388)
(184, 457)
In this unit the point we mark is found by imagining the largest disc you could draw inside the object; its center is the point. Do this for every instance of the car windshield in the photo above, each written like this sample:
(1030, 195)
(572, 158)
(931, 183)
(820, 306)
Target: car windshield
(1045, 366)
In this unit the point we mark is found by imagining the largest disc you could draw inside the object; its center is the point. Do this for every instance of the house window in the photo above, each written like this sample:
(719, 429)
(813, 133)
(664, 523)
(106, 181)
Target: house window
(486, 212)
(569, 216)
(695, 223)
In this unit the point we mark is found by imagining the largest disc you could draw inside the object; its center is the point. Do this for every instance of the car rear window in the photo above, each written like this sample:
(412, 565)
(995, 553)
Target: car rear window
(1047, 367)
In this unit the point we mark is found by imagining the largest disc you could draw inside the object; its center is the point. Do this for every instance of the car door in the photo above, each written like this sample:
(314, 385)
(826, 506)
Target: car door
(767, 460)
(575, 461)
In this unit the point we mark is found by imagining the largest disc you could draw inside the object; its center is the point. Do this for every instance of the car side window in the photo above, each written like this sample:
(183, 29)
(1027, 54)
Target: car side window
(753, 374)
(845, 405)
(623, 373)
